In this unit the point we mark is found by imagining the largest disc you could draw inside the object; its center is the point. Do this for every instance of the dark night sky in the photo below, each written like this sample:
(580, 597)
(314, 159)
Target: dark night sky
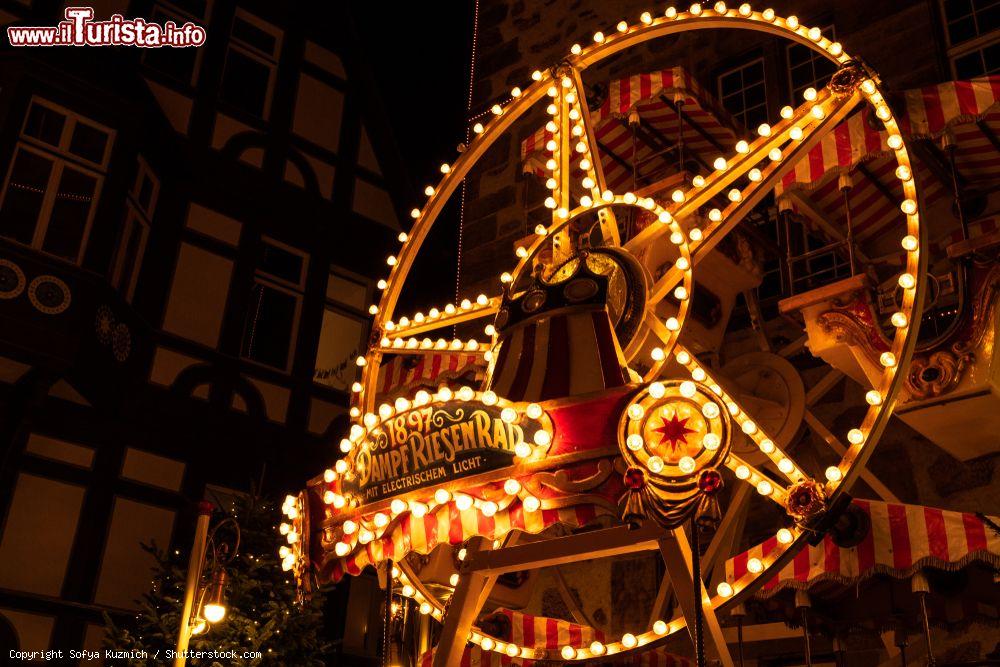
(419, 53)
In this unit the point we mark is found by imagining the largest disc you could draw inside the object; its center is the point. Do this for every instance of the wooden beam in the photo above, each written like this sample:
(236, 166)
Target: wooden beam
(762, 632)
(807, 207)
(822, 431)
(461, 613)
(676, 554)
(545, 553)
(702, 132)
(825, 384)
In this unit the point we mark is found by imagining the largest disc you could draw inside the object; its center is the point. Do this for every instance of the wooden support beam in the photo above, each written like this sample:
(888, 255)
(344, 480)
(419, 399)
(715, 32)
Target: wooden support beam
(461, 613)
(763, 632)
(702, 132)
(808, 208)
(822, 431)
(825, 384)
(676, 554)
(591, 544)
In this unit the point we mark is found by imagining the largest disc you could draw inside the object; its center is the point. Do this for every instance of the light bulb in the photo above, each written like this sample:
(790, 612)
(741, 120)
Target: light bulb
(655, 464)
(657, 390)
(755, 566)
(686, 464)
(855, 436)
(724, 589)
(628, 639)
(784, 536)
(833, 474)
(909, 243)
(214, 612)
(873, 397)
(899, 319)
(907, 281)
(711, 442)
(887, 359)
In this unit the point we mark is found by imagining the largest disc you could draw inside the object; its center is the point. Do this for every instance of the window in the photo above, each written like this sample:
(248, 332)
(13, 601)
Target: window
(742, 92)
(139, 208)
(54, 181)
(275, 302)
(181, 65)
(973, 31)
(251, 63)
(344, 332)
(808, 69)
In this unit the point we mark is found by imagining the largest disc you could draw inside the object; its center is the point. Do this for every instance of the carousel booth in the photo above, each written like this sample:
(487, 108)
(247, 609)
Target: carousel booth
(569, 489)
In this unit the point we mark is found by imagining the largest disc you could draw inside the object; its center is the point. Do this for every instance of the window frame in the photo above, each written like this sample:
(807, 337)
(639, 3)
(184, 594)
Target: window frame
(741, 115)
(347, 310)
(179, 16)
(60, 156)
(813, 58)
(269, 280)
(135, 216)
(269, 60)
(954, 51)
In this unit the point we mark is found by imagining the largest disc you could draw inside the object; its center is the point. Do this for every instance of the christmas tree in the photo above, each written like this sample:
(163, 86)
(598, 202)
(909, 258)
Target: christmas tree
(262, 615)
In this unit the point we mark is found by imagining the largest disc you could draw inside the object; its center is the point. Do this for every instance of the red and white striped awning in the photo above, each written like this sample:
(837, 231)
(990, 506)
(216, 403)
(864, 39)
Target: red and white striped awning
(964, 108)
(552, 634)
(928, 112)
(404, 372)
(656, 96)
(903, 539)
(933, 109)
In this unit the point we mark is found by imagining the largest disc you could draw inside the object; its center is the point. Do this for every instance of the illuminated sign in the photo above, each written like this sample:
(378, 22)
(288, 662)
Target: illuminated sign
(438, 443)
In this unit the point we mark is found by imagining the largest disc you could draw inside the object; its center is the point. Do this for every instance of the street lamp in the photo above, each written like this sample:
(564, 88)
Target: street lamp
(206, 579)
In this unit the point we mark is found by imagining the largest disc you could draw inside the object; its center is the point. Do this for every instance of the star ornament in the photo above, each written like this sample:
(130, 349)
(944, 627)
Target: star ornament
(674, 431)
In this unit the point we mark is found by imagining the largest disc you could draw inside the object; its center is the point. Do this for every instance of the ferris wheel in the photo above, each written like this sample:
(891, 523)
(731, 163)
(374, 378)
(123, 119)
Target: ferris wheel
(644, 432)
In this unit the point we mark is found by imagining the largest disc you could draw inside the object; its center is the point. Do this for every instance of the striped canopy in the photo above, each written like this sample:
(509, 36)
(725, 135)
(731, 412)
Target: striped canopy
(968, 110)
(406, 372)
(903, 539)
(657, 97)
(552, 634)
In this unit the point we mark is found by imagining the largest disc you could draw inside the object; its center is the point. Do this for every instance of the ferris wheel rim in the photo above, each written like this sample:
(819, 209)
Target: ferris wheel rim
(631, 36)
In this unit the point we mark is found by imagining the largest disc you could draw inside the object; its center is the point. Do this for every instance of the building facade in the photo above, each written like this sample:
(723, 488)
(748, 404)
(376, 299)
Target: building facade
(186, 240)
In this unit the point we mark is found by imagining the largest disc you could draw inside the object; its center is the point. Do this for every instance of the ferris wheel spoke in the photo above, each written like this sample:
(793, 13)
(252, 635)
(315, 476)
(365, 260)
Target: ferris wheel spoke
(450, 315)
(573, 147)
(833, 110)
(748, 156)
(597, 182)
(785, 465)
